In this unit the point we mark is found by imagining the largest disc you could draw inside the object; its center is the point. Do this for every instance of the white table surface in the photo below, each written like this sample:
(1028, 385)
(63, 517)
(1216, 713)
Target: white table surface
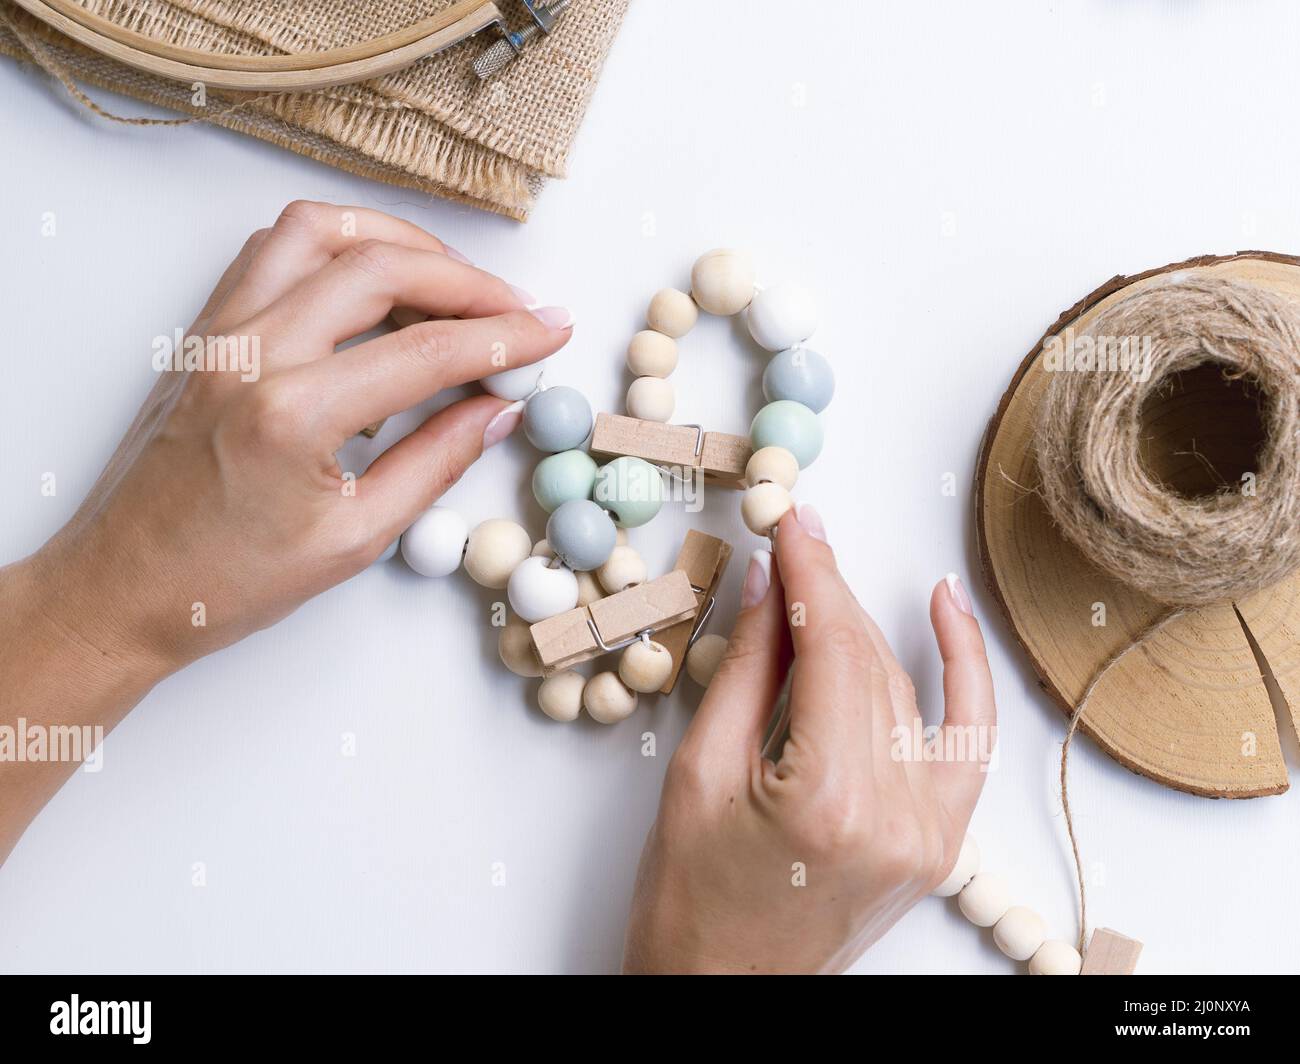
(948, 181)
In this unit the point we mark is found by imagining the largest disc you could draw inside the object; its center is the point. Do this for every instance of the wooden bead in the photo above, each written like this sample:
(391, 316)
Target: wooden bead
(561, 477)
(703, 659)
(984, 900)
(537, 591)
(801, 375)
(607, 699)
(651, 399)
(722, 281)
(542, 549)
(652, 354)
(434, 543)
(495, 547)
(672, 313)
(774, 464)
(1019, 933)
(558, 419)
(624, 569)
(560, 695)
(514, 384)
(968, 863)
(781, 316)
(589, 589)
(1055, 957)
(631, 489)
(763, 506)
(785, 423)
(515, 645)
(582, 534)
(645, 666)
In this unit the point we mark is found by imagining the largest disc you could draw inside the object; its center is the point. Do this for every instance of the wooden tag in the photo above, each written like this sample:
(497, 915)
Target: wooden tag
(1110, 953)
(703, 559)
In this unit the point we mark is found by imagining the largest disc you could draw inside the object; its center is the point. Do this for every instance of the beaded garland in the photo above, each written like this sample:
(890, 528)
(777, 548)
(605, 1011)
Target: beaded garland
(585, 554)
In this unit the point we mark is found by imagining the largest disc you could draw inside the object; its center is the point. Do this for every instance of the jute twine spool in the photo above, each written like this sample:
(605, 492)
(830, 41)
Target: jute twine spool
(1182, 551)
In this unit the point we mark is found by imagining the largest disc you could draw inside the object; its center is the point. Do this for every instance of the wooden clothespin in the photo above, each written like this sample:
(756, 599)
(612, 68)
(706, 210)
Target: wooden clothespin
(611, 623)
(703, 558)
(720, 456)
(1110, 953)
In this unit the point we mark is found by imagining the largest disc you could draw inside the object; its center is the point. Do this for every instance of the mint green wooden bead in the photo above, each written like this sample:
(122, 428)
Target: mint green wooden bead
(561, 477)
(631, 489)
(791, 425)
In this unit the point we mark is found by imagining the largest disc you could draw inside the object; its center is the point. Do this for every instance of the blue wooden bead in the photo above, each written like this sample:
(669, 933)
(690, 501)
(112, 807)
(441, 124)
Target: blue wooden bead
(802, 375)
(581, 534)
(631, 489)
(557, 419)
(791, 425)
(561, 477)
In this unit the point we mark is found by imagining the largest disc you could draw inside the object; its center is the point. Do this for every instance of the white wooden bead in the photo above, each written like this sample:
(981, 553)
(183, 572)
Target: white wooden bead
(495, 547)
(1055, 957)
(624, 569)
(703, 659)
(672, 313)
(763, 506)
(515, 646)
(1019, 933)
(722, 281)
(984, 900)
(644, 666)
(542, 549)
(651, 399)
(560, 695)
(589, 589)
(537, 591)
(774, 464)
(607, 699)
(434, 543)
(652, 354)
(782, 316)
(968, 863)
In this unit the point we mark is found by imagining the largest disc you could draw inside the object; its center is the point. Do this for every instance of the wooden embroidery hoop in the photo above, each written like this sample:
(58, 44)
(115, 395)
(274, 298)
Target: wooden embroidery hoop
(1188, 708)
(268, 73)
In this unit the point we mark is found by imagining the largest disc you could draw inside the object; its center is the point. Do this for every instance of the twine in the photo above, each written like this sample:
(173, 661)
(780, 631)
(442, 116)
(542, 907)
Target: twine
(1182, 552)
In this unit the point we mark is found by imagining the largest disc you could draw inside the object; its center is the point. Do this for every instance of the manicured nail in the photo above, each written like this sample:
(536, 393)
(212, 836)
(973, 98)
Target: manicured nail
(958, 592)
(758, 578)
(810, 520)
(503, 424)
(554, 317)
(452, 253)
(524, 296)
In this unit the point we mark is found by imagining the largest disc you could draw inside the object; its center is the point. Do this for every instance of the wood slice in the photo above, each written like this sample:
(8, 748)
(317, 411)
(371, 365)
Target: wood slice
(1189, 708)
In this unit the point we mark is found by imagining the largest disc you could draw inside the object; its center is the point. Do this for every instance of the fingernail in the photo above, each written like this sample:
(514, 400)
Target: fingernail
(452, 253)
(810, 520)
(503, 424)
(958, 592)
(553, 317)
(758, 578)
(524, 296)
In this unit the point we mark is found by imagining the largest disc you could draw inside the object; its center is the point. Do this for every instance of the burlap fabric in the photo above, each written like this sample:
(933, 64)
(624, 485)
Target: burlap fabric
(433, 126)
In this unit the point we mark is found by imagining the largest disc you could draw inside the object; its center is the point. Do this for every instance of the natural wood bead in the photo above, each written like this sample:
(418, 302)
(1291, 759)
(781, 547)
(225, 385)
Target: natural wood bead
(652, 354)
(763, 506)
(495, 547)
(1019, 933)
(984, 900)
(1055, 957)
(560, 695)
(672, 313)
(645, 666)
(623, 570)
(774, 464)
(703, 659)
(607, 699)
(515, 646)
(968, 863)
(542, 549)
(651, 399)
(589, 589)
(722, 281)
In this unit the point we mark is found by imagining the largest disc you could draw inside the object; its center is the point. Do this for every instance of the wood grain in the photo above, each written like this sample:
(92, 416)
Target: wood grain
(1110, 953)
(703, 558)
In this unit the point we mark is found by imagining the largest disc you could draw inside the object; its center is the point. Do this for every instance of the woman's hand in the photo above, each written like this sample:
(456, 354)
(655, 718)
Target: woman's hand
(802, 862)
(224, 508)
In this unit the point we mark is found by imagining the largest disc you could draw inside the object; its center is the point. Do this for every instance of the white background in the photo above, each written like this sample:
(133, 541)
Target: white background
(947, 176)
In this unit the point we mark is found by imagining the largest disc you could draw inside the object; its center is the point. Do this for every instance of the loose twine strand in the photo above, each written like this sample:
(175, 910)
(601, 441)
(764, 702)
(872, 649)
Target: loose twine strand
(1182, 552)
